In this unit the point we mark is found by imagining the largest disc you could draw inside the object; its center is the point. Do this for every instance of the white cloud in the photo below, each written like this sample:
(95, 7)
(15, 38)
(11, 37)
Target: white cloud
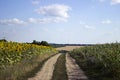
(89, 27)
(115, 1)
(55, 13)
(35, 21)
(46, 20)
(35, 2)
(32, 20)
(59, 19)
(107, 21)
(55, 10)
(112, 2)
(11, 21)
(52, 13)
(16, 21)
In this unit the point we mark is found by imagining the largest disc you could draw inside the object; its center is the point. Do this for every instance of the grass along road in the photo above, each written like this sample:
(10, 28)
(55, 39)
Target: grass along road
(46, 72)
(60, 69)
(74, 72)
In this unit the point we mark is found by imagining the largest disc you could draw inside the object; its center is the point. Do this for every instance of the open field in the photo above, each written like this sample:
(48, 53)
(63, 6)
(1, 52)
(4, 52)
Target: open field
(59, 40)
(68, 48)
(97, 62)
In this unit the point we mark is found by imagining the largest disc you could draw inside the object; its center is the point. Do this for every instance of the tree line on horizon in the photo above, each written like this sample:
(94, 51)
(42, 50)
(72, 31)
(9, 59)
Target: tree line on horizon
(55, 45)
(43, 43)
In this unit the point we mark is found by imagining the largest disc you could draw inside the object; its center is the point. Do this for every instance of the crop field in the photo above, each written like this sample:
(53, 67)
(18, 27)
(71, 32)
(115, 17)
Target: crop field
(68, 48)
(101, 62)
(21, 61)
(17, 59)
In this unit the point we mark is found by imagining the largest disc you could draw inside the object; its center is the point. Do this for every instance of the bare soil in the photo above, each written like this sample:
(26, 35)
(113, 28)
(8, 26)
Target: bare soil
(74, 72)
(47, 71)
(68, 48)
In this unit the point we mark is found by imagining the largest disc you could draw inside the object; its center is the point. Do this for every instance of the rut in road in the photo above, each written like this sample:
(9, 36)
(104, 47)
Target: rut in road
(47, 70)
(74, 72)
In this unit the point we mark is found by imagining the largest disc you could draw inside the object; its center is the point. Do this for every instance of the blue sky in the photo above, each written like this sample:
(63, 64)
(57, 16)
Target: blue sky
(60, 21)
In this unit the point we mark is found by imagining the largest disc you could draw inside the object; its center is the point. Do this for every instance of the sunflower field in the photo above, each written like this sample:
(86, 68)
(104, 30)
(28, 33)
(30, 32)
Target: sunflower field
(12, 53)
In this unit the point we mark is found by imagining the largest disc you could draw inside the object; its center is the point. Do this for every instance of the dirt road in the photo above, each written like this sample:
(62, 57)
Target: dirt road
(73, 70)
(46, 72)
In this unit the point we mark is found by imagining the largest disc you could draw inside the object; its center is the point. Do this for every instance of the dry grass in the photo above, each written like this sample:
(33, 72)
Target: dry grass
(68, 48)
(60, 69)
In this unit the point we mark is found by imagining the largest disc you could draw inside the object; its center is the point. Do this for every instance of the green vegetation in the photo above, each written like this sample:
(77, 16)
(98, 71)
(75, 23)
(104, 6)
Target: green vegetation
(37, 65)
(3, 40)
(100, 62)
(60, 69)
(18, 59)
(43, 43)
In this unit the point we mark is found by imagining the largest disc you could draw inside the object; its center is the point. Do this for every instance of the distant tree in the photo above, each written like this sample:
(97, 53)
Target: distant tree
(34, 42)
(44, 43)
(3, 40)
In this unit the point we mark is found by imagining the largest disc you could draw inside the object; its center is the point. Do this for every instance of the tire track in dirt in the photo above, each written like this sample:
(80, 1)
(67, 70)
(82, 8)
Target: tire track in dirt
(74, 72)
(47, 70)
